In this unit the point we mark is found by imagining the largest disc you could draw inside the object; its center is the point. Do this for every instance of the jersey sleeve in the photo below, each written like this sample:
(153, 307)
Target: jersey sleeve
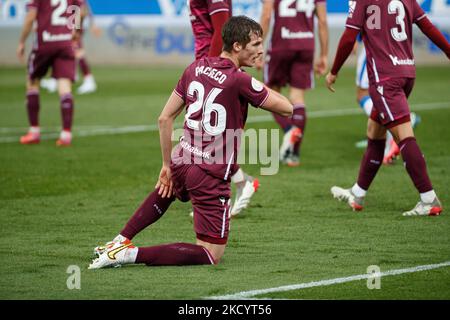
(181, 87)
(252, 90)
(418, 13)
(356, 14)
(215, 6)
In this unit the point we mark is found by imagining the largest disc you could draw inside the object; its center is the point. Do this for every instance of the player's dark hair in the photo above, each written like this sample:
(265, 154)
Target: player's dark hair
(238, 29)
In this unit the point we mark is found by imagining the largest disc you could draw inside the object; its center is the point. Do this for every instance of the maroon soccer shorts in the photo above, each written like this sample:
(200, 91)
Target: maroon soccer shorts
(210, 200)
(61, 60)
(290, 67)
(390, 101)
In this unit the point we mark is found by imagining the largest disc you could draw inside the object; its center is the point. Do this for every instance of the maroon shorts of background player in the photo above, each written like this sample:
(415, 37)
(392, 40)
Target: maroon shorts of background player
(61, 60)
(390, 101)
(290, 67)
(210, 200)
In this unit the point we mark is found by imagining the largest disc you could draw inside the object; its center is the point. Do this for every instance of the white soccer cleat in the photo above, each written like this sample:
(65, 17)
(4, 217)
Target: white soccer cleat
(243, 196)
(50, 84)
(87, 86)
(114, 256)
(425, 209)
(356, 203)
(290, 138)
(102, 248)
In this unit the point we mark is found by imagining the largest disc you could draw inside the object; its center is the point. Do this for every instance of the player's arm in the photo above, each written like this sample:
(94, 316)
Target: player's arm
(26, 29)
(171, 110)
(433, 33)
(345, 48)
(321, 13)
(264, 21)
(266, 16)
(277, 103)
(218, 20)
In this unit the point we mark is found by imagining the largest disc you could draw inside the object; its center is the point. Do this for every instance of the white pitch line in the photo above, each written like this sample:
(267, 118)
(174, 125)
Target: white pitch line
(86, 131)
(252, 293)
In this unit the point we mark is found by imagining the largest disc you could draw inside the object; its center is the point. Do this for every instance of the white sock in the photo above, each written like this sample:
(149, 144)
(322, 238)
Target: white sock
(428, 197)
(119, 238)
(389, 138)
(130, 255)
(358, 191)
(65, 134)
(238, 176)
(35, 130)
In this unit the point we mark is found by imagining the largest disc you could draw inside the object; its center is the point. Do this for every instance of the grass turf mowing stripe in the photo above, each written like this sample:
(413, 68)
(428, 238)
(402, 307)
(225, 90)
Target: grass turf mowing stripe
(328, 282)
(113, 130)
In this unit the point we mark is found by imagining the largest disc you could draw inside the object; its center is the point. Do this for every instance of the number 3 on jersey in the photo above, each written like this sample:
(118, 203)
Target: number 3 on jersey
(396, 7)
(209, 107)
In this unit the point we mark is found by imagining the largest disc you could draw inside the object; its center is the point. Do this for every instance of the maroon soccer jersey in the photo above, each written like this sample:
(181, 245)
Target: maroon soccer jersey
(200, 12)
(216, 94)
(293, 27)
(386, 28)
(55, 20)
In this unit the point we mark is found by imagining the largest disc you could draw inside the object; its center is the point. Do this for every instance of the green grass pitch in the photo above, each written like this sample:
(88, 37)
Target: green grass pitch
(57, 204)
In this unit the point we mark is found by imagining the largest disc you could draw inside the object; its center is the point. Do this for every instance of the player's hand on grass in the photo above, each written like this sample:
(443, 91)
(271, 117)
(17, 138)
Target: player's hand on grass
(330, 80)
(20, 51)
(320, 67)
(165, 184)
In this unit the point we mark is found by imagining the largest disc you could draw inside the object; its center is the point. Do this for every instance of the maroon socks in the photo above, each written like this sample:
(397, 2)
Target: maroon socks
(371, 162)
(84, 66)
(33, 108)
(415, 164)
(153, 207)
(299, 120)
(67, 111)
(174, 254)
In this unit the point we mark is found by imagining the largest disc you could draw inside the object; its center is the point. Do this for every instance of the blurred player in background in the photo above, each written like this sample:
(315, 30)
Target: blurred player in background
(386, 28)
(191, 176)
(391, 151)
(89, 85)
(289, 61)
(207, 18)
(57, 22)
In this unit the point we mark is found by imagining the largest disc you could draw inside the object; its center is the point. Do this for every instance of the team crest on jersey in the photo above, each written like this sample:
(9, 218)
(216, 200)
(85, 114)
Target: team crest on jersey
(351, 8)
(256, 85)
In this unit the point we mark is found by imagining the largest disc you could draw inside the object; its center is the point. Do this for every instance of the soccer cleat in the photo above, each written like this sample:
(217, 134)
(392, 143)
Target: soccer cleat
(243, 195)
(293, 160)
(113, 256)
(87, 86)
(50, 84)
(425, 209)
(392, 154)
(30, 138)
(291, 137)
(356, 203)
(65, 139)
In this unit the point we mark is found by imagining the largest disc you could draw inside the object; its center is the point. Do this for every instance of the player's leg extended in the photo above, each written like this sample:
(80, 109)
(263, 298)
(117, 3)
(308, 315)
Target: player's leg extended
(415, 165)
(33, 135)
(370, 163)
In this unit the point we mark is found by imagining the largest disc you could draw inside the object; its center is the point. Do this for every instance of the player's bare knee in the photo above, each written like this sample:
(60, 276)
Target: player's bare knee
(33, 85)
(375, 131)
(64, 87)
